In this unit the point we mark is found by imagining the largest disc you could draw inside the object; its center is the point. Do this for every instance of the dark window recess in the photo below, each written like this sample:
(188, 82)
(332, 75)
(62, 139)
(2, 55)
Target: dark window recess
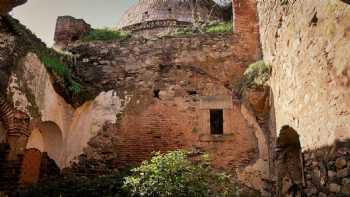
(156, 93)
(75, 38)
(192, 92)
(216, 122)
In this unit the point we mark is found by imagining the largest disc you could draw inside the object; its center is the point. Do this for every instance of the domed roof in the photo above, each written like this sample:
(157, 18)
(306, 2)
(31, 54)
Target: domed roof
(179, 10)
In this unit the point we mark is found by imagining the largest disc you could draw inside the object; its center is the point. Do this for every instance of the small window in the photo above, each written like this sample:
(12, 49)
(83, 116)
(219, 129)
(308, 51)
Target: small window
(156, 93)
(216, 122)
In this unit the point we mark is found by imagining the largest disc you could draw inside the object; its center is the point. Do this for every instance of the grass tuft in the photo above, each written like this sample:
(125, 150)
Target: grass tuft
(105, 35)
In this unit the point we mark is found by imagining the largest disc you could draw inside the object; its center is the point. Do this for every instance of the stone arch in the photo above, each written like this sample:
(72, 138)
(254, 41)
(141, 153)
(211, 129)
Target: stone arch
(53, 140)
(289, 163)
(47, 137)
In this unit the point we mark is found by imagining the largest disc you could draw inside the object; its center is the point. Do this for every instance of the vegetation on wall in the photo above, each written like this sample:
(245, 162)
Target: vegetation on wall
(55, 65)
(174, 174)
(55, 62)
(219, 27)
(105, 35)
(222, 27)
(256, 75)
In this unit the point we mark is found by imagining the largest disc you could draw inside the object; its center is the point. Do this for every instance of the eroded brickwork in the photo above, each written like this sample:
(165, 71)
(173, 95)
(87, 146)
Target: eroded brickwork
(69, 29)
(246, 24)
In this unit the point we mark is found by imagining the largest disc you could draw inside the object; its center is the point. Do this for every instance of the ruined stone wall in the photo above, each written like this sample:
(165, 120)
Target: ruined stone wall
(168, 87)
(246, 24)
(7, 5)
(69, 29)
(106, 65)
(60, 130)
(307, 44)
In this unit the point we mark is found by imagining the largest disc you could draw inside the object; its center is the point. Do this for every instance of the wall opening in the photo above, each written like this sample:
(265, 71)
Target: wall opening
(192, 92)
(216, 122)
(289, 163)
(47, 138)
(156, 93)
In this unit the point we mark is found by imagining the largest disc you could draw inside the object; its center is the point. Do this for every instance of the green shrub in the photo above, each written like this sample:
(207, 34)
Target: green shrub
(175, 175)
(222, 27)
(105, 34)
(256, 75)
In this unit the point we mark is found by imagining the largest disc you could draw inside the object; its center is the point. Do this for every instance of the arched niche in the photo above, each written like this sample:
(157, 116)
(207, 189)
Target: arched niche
(36, 140)
(47, 137)
(53, 140)
(289, 163)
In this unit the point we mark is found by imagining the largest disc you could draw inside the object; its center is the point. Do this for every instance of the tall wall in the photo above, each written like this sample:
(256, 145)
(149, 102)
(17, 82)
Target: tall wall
(169, 85)
(307, 44)
(246, 24)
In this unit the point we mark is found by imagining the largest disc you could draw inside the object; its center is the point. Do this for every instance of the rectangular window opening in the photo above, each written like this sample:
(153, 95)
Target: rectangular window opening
(216, 122)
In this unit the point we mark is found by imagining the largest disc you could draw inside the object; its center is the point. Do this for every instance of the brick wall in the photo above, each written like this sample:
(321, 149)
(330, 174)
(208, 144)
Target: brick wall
(246, 24)
(171, 125)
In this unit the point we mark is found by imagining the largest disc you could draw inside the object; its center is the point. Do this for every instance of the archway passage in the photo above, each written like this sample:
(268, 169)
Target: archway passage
(53, 140)
(47, 137)
(43, 154)
(289, 164)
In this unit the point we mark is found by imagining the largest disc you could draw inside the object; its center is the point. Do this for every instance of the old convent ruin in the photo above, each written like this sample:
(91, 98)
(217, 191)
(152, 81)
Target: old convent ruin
(160, 91)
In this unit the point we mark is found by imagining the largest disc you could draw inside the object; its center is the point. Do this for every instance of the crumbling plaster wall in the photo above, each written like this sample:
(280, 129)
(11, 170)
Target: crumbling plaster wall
(77, 126)
(308, 45)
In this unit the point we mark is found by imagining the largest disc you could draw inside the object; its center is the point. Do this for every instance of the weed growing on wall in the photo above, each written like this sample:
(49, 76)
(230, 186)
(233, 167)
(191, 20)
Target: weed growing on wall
(256, 75)
(223, 27)
(105, 35)
(55, 65)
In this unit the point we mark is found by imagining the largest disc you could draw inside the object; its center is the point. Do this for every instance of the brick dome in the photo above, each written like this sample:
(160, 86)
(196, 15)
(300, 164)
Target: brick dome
(163, 13)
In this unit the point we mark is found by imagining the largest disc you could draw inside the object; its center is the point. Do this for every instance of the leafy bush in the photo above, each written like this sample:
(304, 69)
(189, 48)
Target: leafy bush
(222, 27)
(174, 174)
(105, 34)
(256, 75)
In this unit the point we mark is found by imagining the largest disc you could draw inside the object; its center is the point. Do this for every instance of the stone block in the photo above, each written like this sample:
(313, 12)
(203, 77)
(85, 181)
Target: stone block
(340, 163)
(343, 173)
(335, 188)
(322, 195)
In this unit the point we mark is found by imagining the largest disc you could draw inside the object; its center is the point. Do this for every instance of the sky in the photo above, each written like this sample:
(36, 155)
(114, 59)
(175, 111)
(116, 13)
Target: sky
(40, 15)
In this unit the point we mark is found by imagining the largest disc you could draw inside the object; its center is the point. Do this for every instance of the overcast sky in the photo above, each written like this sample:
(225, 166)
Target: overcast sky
(40, 15)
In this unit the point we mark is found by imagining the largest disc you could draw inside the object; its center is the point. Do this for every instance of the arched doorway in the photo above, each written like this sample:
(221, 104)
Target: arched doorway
(53, 140)
(43, 154)
(289, 164)
(47, 137)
